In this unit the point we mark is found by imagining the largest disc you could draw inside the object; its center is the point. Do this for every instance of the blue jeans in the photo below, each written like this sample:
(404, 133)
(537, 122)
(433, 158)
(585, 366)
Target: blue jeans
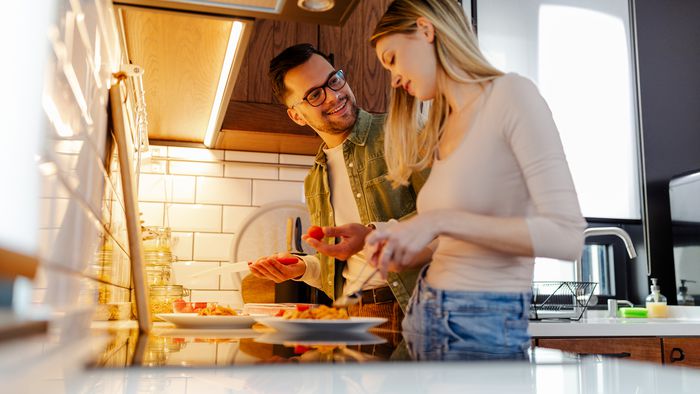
(463, 325)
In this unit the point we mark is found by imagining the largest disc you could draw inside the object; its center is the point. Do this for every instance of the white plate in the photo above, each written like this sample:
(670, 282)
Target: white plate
(349, 338)
(306, 325)
(192, 320)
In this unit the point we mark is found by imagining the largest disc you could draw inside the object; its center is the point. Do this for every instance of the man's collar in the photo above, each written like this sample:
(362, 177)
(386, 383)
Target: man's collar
(357, 136)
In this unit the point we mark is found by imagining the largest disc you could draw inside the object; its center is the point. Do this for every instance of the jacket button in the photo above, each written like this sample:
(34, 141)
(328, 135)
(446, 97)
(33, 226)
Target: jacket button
(395, 283)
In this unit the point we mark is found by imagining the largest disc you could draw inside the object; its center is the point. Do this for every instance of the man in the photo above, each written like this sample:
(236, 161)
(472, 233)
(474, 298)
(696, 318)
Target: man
(345, 187)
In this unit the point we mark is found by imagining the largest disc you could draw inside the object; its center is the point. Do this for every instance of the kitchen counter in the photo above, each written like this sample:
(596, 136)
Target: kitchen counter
(682, 321)
(259, 361)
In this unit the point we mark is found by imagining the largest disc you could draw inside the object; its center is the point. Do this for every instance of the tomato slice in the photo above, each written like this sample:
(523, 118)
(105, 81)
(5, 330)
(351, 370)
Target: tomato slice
(316, 232)
(287, 260)
(302, 308)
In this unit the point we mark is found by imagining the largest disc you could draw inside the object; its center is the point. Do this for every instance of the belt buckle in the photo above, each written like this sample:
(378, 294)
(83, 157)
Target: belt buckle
(374, 295)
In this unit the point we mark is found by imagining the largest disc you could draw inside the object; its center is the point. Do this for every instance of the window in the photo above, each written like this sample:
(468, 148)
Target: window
(581, 56)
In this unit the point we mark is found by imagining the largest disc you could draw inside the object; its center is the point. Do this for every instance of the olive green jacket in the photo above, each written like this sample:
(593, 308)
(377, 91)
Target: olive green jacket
(377, 201)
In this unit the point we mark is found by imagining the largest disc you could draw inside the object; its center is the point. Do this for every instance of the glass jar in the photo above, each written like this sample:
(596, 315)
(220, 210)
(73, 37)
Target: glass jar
(158, 275)
(161, 298)
(156, 239)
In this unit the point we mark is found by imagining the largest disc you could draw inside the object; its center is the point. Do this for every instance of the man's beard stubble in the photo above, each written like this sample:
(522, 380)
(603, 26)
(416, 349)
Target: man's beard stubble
(340, 126)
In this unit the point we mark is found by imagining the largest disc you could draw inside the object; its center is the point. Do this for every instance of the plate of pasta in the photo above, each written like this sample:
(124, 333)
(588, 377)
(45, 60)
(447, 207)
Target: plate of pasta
(320, 319)
(213, 316)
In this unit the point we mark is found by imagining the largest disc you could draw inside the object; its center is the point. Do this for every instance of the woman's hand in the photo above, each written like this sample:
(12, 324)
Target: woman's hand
(397, 247)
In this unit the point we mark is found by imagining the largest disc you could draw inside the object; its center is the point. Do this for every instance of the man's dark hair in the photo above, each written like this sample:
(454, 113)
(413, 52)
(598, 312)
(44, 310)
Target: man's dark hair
(288, 59)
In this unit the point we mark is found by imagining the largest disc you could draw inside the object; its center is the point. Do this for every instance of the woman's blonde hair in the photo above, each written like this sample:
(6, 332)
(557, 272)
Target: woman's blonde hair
(410, 142)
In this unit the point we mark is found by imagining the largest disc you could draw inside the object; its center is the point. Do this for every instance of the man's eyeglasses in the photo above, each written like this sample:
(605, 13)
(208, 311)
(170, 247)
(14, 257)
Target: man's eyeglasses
(317, 96)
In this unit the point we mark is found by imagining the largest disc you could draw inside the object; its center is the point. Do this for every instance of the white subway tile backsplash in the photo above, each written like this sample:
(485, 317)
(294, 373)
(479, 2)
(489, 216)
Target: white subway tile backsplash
(196, 168)
(252, 156)
(293, 174)
(212, 247)
(231, 298)
(204, 198)
(183, 271)
(191, 217)
(154, 166)
(152, 213)
(297, 159)
(235, 170)
(158, 150)
(233, 216)
(223, 191)
(170, 188)
(195, 154)
(182, 245)
(270, 191)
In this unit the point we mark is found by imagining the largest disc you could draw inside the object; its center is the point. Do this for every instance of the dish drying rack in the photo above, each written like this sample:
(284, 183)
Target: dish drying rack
(560, 300)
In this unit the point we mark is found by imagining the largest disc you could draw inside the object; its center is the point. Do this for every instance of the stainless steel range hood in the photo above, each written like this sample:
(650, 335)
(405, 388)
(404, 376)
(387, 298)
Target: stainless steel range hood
(264, 9)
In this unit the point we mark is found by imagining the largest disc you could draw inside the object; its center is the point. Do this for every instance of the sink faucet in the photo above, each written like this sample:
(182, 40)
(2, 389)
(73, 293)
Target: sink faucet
(596, 231)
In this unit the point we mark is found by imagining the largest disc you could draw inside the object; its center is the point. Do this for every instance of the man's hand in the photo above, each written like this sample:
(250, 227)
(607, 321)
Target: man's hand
(270, 268)
(352, 240)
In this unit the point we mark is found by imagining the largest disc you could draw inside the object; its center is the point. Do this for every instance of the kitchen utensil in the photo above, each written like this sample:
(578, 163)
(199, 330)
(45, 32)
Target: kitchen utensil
(289, 234)
(354, 297)
(297, 250)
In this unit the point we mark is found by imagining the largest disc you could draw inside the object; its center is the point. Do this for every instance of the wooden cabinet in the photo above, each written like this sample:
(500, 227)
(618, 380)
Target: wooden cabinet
(681, 351)
(256, 121)
(632, 348)
(352, 52)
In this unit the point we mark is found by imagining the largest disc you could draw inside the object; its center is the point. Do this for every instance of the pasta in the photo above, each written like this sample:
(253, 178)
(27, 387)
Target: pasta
(322, 312)
(217, 310)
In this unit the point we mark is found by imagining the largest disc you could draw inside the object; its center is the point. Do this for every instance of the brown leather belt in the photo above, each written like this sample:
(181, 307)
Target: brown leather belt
(379, 295)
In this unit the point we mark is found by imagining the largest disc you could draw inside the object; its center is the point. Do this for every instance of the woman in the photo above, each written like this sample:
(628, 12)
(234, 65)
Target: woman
(499, 192)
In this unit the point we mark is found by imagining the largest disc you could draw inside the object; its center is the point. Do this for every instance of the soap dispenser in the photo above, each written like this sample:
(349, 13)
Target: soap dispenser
(683, 297)
(656, 302)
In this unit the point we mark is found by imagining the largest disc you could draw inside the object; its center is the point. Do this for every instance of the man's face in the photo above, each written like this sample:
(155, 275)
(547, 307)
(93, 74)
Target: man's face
(337, 114)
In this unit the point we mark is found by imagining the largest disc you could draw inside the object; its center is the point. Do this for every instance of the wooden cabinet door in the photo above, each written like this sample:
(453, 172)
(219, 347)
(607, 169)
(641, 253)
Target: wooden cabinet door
(642, 349)
(682, 351)
(349, 45)
(269, 38)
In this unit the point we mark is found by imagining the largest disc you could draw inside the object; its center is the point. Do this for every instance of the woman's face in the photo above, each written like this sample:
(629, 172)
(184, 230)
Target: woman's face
(411, 60)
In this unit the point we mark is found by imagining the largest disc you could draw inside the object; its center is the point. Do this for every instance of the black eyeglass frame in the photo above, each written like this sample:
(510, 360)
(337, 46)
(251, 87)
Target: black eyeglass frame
(341, 77)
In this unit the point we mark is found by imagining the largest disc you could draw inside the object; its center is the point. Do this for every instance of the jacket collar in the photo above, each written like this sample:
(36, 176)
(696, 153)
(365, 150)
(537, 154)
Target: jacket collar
(358, 135)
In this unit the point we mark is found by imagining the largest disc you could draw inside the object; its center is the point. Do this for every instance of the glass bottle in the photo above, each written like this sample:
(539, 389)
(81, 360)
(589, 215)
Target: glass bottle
(656, 302)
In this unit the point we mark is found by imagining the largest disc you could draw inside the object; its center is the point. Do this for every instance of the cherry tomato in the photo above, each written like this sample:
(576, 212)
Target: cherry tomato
(316, 232)
(299, 349)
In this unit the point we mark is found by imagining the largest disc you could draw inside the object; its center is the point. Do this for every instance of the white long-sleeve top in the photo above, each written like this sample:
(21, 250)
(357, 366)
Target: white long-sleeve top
(510, 163)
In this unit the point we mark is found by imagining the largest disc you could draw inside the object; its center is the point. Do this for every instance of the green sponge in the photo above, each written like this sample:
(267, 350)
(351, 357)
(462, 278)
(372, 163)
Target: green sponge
(633, 312)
